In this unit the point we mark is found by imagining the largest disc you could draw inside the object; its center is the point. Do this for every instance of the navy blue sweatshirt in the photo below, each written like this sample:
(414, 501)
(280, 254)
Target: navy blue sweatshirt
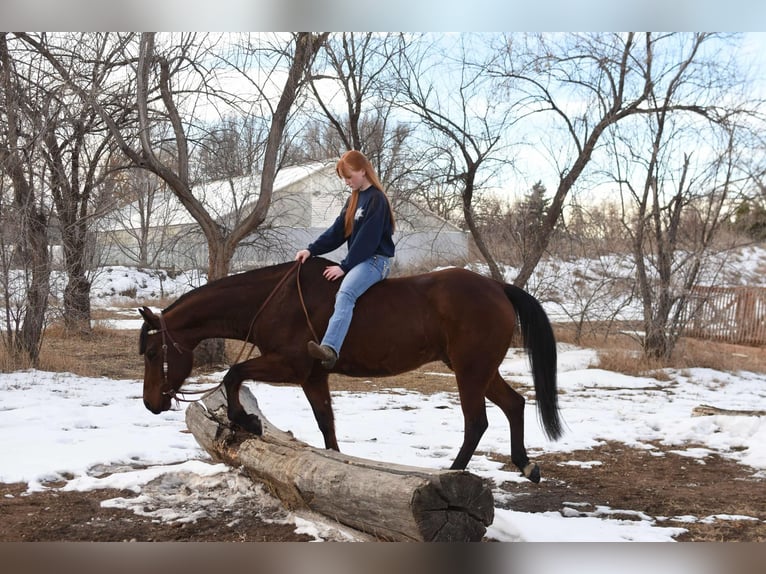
(371, 233)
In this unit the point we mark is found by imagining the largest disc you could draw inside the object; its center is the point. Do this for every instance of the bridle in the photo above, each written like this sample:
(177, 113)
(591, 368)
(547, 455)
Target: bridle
(167, 337)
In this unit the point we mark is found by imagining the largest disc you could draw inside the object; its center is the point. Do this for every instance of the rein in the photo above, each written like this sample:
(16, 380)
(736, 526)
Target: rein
(165, 332)
(296, 266)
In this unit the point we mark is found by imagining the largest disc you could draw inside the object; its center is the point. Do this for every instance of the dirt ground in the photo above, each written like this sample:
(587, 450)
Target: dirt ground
(664, 487)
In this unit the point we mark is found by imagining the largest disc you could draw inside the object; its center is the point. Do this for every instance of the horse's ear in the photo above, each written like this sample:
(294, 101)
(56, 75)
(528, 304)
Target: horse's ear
(149, 316)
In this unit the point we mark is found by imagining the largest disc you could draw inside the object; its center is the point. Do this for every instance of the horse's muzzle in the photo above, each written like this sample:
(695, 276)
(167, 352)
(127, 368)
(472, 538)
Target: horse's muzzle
(158, 409)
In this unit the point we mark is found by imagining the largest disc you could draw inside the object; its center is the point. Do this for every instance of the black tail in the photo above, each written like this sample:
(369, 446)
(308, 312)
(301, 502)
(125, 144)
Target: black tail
(540, 345)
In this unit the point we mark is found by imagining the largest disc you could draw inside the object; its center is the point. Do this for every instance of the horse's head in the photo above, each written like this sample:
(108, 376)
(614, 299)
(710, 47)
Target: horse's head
(166, 363)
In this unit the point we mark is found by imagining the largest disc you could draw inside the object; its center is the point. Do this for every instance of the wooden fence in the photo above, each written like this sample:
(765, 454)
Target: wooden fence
(729, 314)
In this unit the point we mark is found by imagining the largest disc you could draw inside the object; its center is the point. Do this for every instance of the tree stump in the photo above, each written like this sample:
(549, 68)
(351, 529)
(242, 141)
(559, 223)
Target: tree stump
(388, 501)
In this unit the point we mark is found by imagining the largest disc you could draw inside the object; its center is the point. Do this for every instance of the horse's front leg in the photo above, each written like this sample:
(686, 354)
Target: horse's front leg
(232, 382)
(272, 369)
(317, 391)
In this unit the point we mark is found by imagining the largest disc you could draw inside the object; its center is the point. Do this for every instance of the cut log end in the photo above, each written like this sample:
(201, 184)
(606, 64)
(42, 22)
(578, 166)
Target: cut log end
(457, 507)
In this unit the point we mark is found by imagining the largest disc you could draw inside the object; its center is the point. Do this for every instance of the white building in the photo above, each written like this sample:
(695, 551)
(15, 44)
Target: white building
(306, 199)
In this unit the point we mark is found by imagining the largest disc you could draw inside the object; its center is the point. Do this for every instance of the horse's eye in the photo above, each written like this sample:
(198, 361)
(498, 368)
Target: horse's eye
(151, 354)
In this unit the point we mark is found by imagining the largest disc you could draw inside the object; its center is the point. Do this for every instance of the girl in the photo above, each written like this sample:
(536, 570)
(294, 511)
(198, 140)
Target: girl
(366, 224)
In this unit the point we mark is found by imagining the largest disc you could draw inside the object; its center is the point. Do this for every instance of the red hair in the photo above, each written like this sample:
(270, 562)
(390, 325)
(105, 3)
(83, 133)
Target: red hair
(354, 160)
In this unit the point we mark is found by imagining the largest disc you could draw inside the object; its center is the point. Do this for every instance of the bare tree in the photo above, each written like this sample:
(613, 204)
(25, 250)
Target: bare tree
(465, 124)
(20, 160)
(676, 198)
(351, 83)
(75, 146)
(169, 81)
(231, 148)
(165, 80)
(583, 84)
(78, 147)
(221, 245)
(681, 171)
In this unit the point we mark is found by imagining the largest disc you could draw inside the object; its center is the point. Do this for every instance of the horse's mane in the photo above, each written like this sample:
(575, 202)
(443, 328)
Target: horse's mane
(234, 281)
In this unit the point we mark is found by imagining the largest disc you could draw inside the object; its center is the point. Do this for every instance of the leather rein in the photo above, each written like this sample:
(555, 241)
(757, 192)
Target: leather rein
(166, 336)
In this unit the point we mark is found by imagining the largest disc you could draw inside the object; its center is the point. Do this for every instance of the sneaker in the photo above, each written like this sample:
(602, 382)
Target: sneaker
(326, 354)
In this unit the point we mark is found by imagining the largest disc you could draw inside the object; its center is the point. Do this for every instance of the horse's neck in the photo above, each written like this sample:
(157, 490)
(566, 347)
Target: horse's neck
(212, 311)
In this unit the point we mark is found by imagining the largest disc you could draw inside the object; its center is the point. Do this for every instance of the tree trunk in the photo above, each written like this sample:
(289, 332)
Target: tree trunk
(388, 501)
(33, 229)
(655, 343)
(36, 259)
(210, 353)
(494, 269)
(77, 290)
(77, 304)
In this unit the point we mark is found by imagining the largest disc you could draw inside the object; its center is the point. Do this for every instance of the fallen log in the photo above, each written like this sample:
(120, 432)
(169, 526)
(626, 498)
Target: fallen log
(388, 501)
(709, 410)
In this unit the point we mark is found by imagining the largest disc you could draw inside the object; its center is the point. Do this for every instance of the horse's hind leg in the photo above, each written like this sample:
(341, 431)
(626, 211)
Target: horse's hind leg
(318, 393)
(512, 404)
(474, 416)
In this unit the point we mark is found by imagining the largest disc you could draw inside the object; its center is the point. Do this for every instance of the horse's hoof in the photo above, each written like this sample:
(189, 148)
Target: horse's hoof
(532, 472)
(249, 423)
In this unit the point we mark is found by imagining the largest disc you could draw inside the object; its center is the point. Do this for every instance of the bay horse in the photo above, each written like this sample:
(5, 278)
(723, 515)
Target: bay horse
(452, 315)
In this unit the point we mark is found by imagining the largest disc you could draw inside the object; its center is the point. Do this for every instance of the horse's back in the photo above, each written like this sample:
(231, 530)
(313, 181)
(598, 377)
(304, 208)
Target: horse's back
(404, 322)
(461, 295)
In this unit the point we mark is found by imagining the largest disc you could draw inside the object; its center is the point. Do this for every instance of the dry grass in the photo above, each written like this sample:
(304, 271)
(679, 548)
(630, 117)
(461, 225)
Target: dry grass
(621, 352)
(104, 352)
(7, 363)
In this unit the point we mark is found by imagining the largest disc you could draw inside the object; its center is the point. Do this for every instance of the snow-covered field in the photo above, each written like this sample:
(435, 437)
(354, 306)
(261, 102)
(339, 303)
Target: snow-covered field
(75, 428)
(72, 428)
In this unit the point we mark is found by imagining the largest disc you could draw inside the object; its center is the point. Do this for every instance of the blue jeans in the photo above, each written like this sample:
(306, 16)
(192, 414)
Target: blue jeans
(354, 283)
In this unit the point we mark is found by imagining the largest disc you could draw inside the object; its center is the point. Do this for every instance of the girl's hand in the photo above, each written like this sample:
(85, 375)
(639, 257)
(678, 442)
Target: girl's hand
(333, 273)
(302, 255)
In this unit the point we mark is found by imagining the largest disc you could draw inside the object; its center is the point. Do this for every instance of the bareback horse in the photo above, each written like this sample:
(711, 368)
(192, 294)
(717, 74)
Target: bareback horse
(452, 315)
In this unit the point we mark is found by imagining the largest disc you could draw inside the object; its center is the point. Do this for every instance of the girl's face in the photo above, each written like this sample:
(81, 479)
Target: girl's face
(356, 180)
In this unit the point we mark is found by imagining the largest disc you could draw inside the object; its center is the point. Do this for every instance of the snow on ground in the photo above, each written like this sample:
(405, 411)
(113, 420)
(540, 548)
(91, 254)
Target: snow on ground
(96, 433)
(66, 427)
